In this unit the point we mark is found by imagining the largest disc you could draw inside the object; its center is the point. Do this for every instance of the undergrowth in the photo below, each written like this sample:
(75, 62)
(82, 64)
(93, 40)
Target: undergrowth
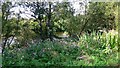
(93, 49)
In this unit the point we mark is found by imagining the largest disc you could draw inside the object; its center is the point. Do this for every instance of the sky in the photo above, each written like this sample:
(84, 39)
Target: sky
(27, 14)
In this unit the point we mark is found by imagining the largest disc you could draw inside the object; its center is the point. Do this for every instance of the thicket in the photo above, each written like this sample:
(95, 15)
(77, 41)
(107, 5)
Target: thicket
(55, 36)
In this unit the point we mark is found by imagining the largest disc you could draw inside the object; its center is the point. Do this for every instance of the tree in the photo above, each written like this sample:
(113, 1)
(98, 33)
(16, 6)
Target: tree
(101, 15)
(6, 28)
(42, 14)
(14, 27)
(63, 12)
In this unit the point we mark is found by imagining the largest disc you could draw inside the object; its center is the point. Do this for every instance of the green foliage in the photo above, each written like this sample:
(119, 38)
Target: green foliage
(101, 15)
(98, 16)
(75, 24)
(91, 50)
(61, 14)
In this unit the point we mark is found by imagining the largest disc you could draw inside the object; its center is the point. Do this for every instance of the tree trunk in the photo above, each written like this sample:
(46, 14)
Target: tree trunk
(50, 32)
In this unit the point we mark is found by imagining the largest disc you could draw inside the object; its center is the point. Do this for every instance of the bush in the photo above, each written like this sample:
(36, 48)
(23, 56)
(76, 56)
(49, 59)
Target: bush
(90, 50)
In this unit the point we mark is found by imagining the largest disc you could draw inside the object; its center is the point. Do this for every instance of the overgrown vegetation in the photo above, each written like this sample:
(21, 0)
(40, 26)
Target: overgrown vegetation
(91, 50)
(55, 36)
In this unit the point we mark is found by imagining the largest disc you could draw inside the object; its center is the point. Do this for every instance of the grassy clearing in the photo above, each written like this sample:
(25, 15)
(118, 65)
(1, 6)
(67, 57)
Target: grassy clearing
(90, 50)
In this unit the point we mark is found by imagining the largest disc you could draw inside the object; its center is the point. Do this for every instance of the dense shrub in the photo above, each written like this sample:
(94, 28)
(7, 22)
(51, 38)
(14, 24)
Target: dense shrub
(91, 49)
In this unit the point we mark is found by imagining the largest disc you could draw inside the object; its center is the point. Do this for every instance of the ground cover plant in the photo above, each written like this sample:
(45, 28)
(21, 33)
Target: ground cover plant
(91, 50)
